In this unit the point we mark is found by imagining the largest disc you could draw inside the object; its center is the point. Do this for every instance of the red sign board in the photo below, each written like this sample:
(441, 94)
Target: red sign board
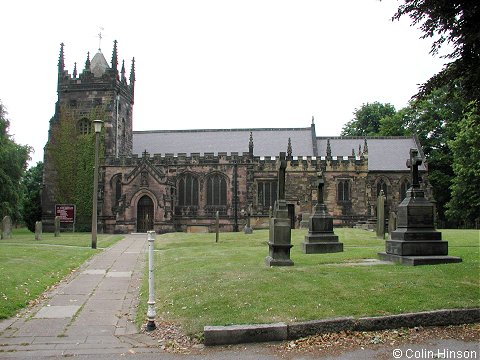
(66, 212)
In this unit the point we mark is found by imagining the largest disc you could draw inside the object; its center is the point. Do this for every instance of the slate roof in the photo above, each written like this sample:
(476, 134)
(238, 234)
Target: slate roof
(267, 142)
(384, 153)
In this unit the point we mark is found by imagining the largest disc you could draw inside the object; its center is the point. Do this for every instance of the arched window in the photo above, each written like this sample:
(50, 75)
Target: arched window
(343, 191)
(404, 186)
(118, 188)
(382, 185)
(216, 190)
(84, 127)
(188, 191)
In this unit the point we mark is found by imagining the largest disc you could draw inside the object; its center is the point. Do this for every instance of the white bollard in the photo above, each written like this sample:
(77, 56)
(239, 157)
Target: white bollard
(151, 293)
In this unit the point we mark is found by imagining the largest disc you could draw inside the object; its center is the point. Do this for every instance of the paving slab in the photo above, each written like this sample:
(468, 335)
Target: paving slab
(81, 330)
(68, 299)
(94, 272)
(119, 274)
(43, 327)
(87, 313)
(57, 312)
(58, 340)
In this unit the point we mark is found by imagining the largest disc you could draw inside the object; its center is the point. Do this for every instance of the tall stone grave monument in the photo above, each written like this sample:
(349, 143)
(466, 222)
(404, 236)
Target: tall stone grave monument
(7, 227)
(415, 241)
(381, 215)
(57, 226)
(38, 230)
(280, 237)
(320, 238)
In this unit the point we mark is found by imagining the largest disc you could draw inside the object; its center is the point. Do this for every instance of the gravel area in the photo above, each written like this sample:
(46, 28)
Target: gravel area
(331, 344)
(172, 339)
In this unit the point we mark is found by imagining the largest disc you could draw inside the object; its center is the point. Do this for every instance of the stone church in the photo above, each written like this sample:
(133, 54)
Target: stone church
(176, 180)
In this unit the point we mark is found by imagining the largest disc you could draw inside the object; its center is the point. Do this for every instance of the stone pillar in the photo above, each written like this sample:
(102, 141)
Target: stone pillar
(415, 241)
(381, 215)
(248, 229)
(217, 226)
(320, 238)
(6, 227)
(38, 230)
(279, 243)
(57, 226)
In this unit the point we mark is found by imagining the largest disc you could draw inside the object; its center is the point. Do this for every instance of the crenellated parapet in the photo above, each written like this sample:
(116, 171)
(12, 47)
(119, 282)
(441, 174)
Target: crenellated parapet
(334, 163)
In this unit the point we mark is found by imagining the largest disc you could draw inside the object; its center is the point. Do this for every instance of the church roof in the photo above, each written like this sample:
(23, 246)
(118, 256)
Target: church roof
(384, 153)
(98, 65)
(267, 142)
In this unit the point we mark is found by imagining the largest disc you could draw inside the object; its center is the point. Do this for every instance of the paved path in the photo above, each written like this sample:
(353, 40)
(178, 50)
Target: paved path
(90, 316)
(89, 313)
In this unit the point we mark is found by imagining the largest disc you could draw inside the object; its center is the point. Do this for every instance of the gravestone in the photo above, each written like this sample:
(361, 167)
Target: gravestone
(57, 226)
(305, 221)
(38, 230)
(217, 226)
(415, 241)
(392, 222)
(6, 227)
(279, 243)
(320, 238)
(381, 215)
(248, 229)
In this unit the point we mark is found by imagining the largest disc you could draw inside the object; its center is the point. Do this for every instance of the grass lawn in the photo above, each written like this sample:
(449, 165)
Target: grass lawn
(199, 282)
(28, 267)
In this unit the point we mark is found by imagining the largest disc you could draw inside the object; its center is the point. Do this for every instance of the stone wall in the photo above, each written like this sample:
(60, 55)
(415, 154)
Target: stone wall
(161, 175)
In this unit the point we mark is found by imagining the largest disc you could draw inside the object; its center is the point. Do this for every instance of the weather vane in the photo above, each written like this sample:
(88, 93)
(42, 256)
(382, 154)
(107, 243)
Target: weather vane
(100, 39)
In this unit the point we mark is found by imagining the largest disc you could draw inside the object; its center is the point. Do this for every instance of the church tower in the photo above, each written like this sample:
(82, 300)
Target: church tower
(102, 92)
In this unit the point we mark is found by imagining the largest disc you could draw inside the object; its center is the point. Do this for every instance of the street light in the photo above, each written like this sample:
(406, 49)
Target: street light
(98, 128)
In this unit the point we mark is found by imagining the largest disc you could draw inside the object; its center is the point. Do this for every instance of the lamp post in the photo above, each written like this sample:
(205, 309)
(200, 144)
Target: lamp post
(98, 128)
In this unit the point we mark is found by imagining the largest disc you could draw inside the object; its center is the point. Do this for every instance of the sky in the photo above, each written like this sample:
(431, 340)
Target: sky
(216, 63)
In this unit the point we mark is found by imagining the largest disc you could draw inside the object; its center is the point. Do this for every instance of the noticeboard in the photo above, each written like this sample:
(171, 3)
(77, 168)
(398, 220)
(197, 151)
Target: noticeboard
(66, 212)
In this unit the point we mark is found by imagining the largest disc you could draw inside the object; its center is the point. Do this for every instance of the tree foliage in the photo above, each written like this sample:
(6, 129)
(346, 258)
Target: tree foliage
(435, 119)
(367, 119)
(32, 190)
(464, 204)
(13, 162)
(455, 22)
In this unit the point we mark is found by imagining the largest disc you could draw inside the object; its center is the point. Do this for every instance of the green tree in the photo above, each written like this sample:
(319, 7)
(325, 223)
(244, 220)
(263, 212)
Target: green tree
(367, 119)
(32, 189)
(464, 204)
(455, 22)
(13, 162)
(434, 118)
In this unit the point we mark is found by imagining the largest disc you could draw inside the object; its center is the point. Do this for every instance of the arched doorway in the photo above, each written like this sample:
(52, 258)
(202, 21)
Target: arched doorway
(145, 214)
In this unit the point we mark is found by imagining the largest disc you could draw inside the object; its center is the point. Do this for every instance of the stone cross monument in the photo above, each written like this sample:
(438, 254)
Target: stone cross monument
(280, 239)
(320, 238)
(415, 241)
